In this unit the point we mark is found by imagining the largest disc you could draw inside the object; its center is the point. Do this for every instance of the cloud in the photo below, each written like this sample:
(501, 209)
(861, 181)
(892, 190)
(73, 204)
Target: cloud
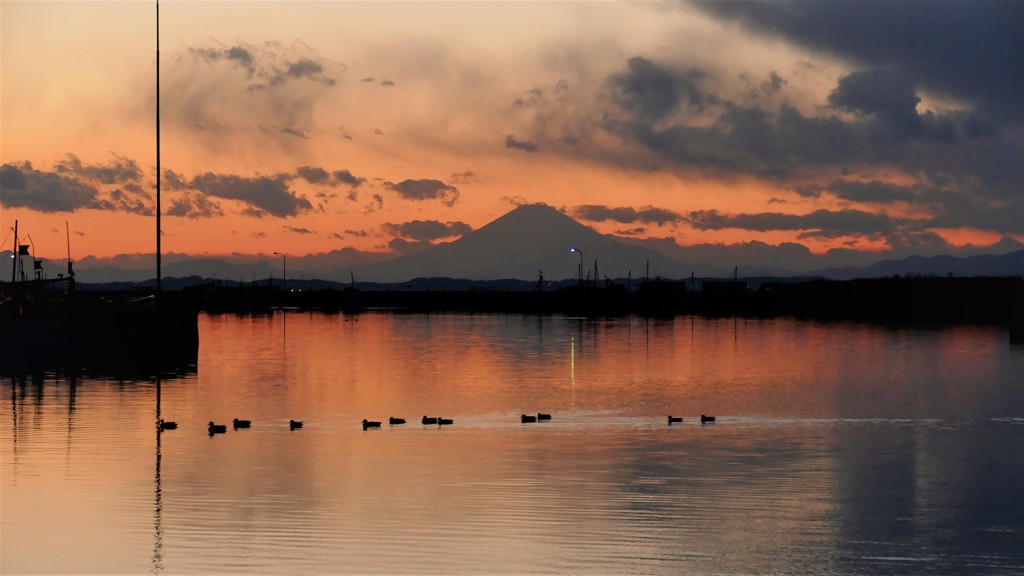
(465, 177)
(299, 230)
(511, 142)
(881, 93)
(820, 223)
(966, 50)
(293, 132)
(646, 215)
(652, 92)
(404, 247)
(194, 205)
(376, 203)
(347, 178)
(303, 68)
(313, 175)
(267, 64)
(230, 91)
(426, 230)
(69, 189)
(426, 190)
(539, 97)
(262, 194)
(120, 170)
(874, 191)
(867, 128)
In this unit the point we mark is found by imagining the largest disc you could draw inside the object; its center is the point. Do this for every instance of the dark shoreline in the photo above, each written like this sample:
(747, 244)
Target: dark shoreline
(113, 331)
(992, 301)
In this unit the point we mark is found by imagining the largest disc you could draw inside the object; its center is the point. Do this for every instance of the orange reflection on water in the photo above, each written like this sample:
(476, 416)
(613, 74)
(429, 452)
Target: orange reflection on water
(817, 425)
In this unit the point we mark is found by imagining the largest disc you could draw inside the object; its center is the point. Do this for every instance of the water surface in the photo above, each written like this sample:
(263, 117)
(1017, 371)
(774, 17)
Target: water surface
(839, 448)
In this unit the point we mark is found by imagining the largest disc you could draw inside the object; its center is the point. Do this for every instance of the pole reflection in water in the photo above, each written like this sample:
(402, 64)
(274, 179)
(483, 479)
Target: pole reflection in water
(158, 505)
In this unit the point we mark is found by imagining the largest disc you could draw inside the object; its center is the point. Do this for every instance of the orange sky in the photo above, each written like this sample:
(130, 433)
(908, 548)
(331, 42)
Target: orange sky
(305, 127)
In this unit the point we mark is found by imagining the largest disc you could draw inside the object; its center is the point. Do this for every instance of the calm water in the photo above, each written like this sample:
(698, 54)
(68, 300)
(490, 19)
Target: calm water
(839, 448)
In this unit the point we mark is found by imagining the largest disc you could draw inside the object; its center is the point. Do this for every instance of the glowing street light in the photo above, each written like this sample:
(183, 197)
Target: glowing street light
(284, 266)
(580, 271)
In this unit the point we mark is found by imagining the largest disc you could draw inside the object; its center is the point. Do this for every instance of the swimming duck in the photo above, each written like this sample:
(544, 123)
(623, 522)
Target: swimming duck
(429, 420)
(217, 428)
(393, 420)
(293, 424)
(163, 425)
(241, 423)
(704, 418)
(542, 416)
(443, 421)
(672, 419)
(524, 418)
(369, 424)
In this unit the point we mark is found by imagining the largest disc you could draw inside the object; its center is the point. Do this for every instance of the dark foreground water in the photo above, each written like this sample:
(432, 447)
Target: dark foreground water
(839, 448)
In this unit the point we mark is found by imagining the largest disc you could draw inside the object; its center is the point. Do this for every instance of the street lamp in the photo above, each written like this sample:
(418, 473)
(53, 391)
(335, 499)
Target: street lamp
(284, 265)
(580, 271)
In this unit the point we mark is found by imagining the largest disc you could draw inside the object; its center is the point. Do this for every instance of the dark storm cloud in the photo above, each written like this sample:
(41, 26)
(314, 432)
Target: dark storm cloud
(746, 139)
(646, 215)
(969, 50)
(526, 146)
(873, 191)
(882, 93)
(966, 211)
(652, 92)
(868, 125)
(426, 189)
(427, 230)
(264, 195)
(888, 103)
(837, 223)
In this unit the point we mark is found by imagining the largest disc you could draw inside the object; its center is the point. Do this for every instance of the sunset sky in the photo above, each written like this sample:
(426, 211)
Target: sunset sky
(307, 127)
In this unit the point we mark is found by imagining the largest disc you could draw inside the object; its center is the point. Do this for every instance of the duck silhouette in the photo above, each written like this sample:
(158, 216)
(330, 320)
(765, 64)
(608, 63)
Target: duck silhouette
(704, 418)
(524, 418)
(241, 423)
(217, 428)
(393, 420)
(429, 420)
(293, 424)
(444, 421)
(164, 425)
(542, 416)
(370, 424)
(672, 419)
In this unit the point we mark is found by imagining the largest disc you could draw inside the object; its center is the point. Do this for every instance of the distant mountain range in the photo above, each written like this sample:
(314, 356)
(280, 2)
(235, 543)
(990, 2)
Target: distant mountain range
(536, 239)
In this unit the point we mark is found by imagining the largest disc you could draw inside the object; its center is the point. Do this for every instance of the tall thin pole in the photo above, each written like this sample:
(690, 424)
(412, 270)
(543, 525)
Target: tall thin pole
(158, 173)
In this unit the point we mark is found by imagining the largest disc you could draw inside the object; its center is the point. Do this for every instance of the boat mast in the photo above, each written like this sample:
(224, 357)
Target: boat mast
(158, 173)
(14, 254)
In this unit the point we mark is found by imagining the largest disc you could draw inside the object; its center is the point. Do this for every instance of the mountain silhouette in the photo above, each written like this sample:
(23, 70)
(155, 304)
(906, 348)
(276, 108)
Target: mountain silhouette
(536, 237)
(530, 238)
